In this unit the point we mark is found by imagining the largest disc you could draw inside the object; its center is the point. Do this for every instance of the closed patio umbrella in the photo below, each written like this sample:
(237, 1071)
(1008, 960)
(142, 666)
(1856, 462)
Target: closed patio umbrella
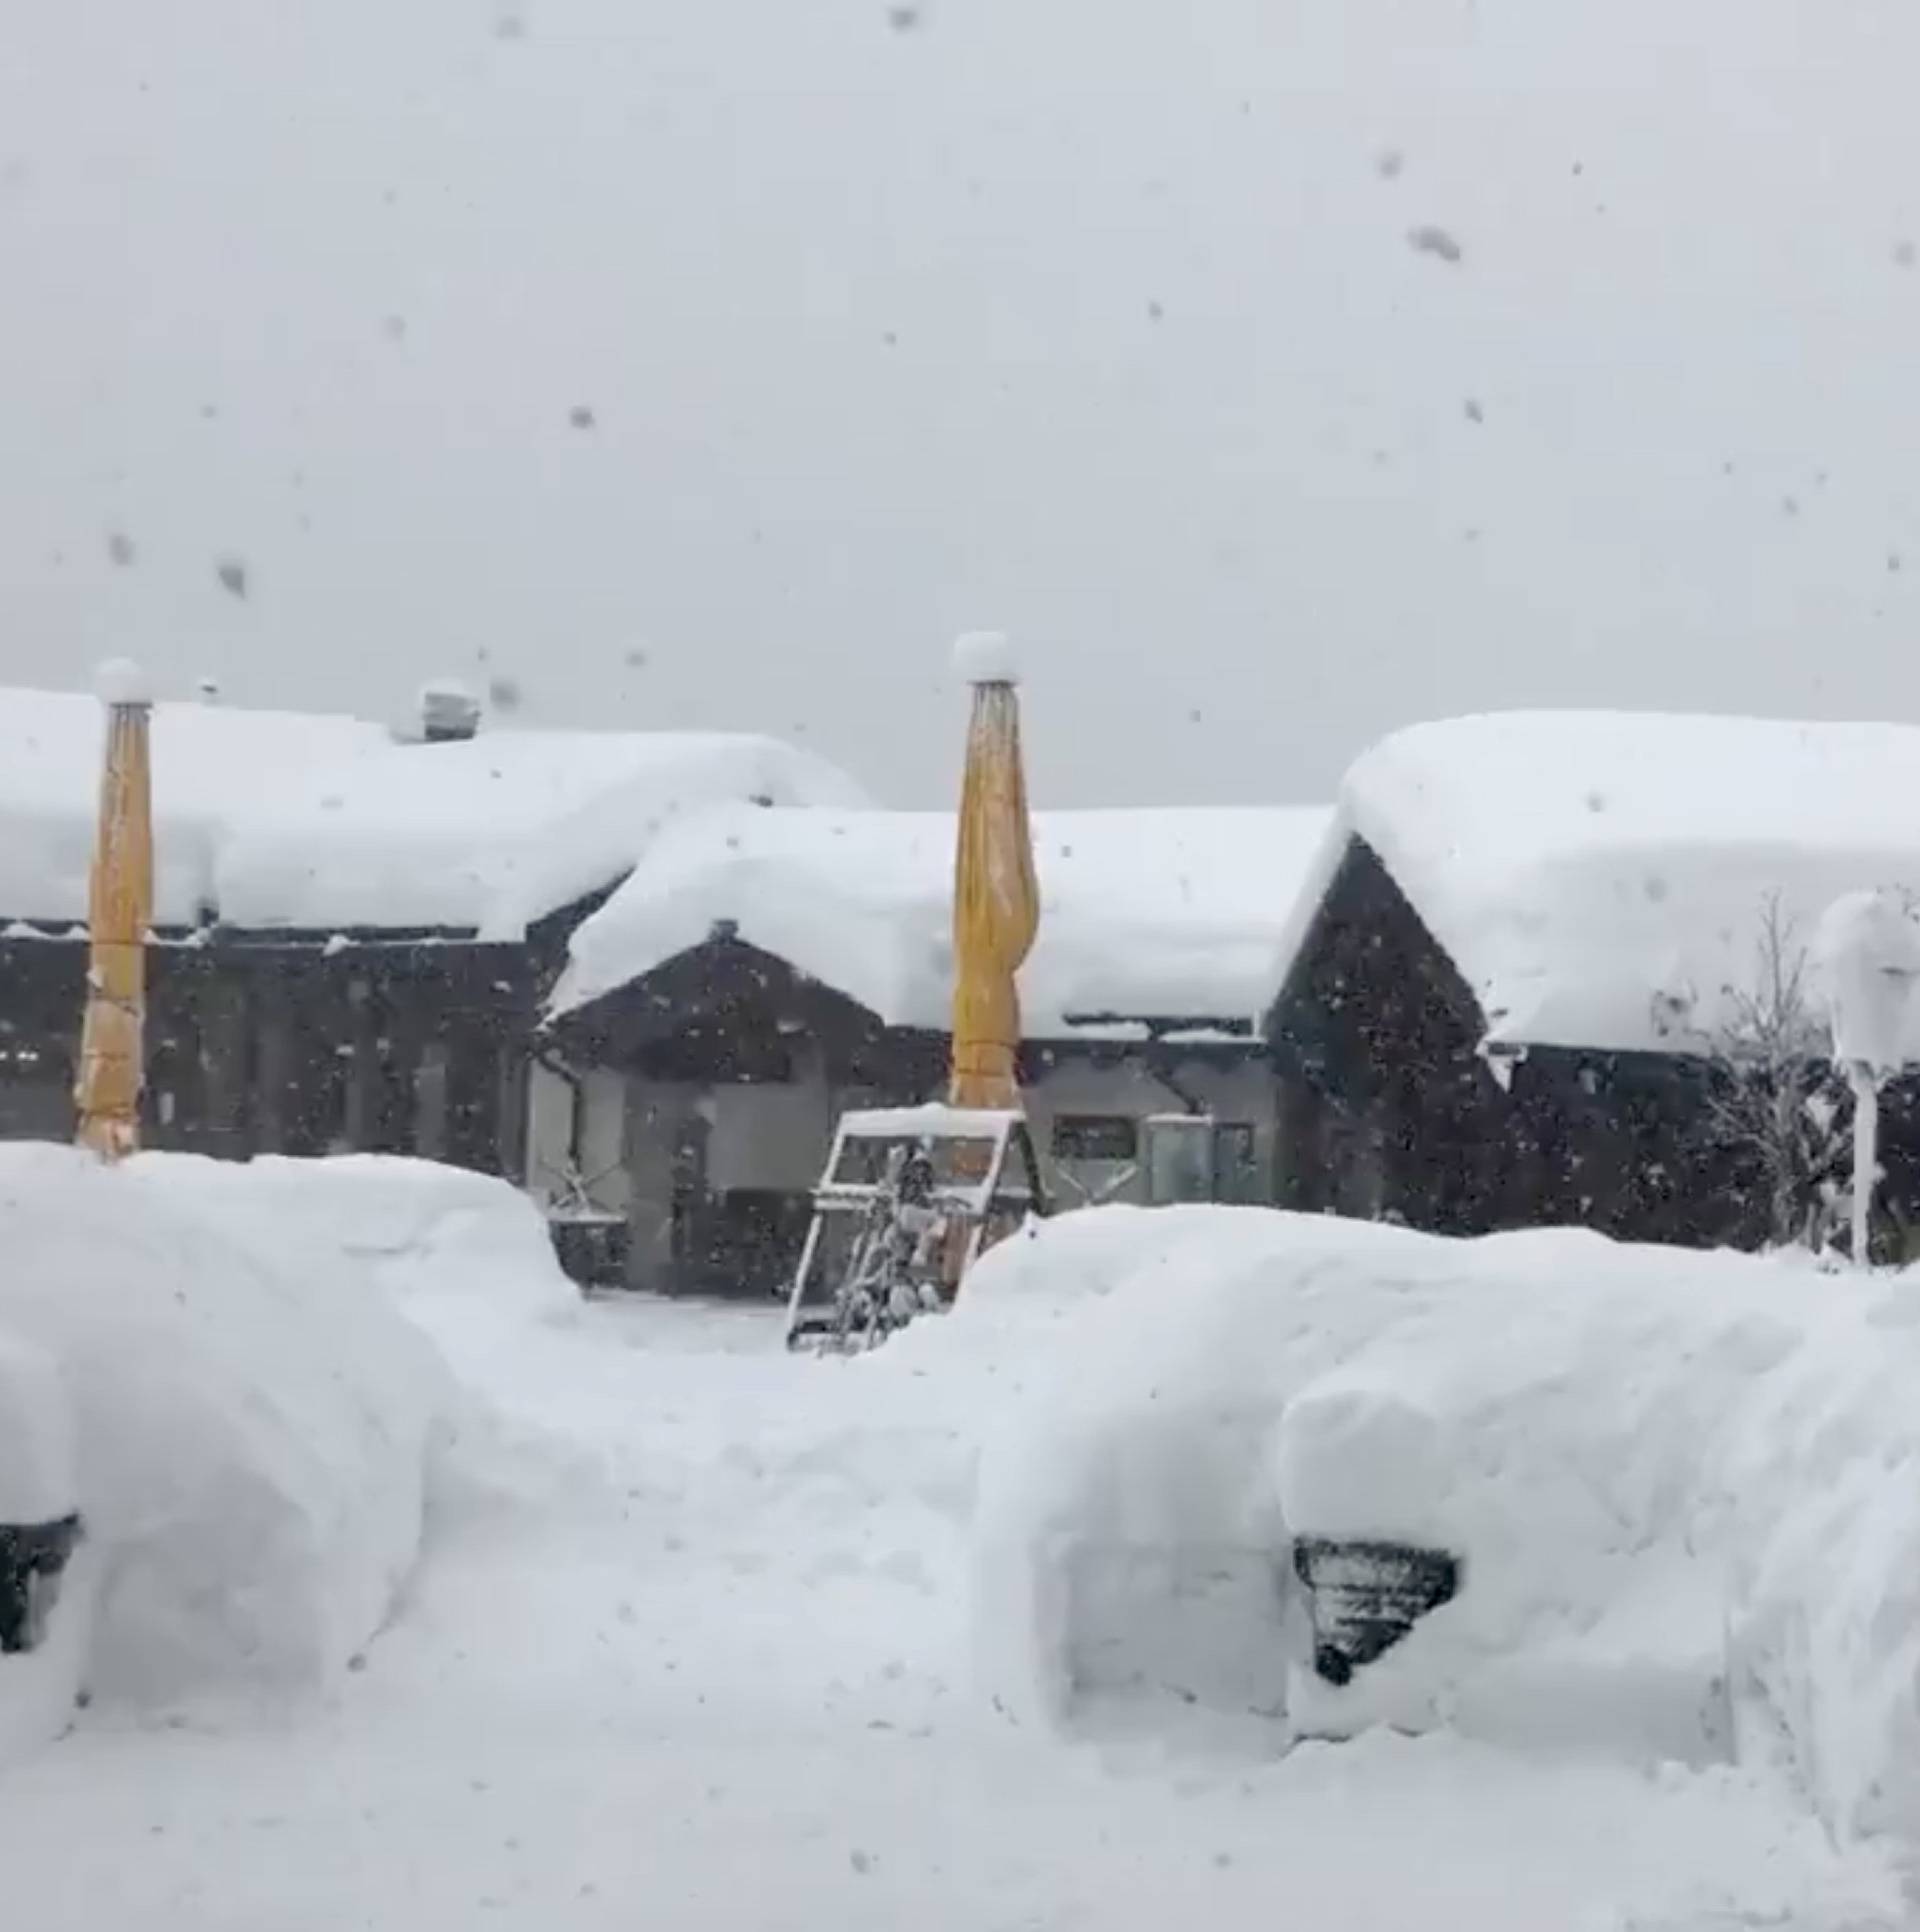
(120, 909)
(996, 900)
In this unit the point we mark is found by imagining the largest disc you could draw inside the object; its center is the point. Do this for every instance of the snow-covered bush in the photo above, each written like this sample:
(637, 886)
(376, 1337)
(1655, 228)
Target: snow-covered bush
(1679, 1487)
(252, 1415)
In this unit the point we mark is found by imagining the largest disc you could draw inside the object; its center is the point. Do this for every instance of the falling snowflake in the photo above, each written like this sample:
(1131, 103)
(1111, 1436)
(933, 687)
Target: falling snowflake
(1429, 240)
(232, 573)
(120, 547)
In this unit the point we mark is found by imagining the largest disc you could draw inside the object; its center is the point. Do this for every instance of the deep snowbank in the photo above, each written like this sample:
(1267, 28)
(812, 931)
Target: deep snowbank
(1681, 1486)
(252, 1413)
(427, 1233)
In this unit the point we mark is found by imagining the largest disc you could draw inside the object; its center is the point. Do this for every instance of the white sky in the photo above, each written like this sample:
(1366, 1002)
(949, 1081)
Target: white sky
(1096, 320)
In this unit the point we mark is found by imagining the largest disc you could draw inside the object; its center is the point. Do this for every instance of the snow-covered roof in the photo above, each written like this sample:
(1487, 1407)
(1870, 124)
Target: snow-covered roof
(210, 765)
(492, 832)
(1603, 879)
(1145, 914)
(299, 821)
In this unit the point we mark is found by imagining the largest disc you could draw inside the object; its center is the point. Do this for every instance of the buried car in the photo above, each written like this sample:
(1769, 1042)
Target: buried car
(42, 1635)
(1539, 1489)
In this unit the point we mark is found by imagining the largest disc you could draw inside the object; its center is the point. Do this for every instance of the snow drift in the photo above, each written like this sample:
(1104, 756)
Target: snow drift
(253, 1416)
(426, 1232)
(1680, 1488)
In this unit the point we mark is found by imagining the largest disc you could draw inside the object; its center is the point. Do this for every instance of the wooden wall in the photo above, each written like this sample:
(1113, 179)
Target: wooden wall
(295, 1048)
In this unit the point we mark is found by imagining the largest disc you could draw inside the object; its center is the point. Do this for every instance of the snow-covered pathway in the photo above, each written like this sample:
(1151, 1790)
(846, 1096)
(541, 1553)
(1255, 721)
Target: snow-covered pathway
(689, 1652)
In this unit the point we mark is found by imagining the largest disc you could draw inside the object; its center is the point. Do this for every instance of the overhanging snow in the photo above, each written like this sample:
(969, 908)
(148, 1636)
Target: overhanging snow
(1144, 913)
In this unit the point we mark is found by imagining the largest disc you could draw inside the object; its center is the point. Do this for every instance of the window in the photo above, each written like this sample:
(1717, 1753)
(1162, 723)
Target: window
(958, 1161)
(1095, 1137)
(430, 1102)
(1235, 1177)
(1180, 1159)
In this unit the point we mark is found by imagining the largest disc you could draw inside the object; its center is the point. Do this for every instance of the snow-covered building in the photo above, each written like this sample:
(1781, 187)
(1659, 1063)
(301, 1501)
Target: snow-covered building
(761, 971)
(1531, 944)
(356, 927)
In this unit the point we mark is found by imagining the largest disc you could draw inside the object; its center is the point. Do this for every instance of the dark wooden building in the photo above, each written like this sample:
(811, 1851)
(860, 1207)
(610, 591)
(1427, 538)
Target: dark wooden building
(289, 1043)
(355, 928)
(1391, 1106)
(763, 972)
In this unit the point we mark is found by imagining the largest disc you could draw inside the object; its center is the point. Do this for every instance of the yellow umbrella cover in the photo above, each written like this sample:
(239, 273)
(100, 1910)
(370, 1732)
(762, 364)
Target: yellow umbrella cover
(996, 900)
(120, 909)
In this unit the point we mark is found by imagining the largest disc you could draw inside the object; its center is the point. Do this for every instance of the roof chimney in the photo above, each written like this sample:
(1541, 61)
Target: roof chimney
(449, 712)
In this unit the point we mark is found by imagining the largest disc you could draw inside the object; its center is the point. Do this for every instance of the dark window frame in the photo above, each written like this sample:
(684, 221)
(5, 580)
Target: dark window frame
(1095, 1137)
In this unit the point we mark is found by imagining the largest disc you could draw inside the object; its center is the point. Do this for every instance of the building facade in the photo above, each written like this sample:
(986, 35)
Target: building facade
(698, 1102)
(355, 928)
(1543, 956)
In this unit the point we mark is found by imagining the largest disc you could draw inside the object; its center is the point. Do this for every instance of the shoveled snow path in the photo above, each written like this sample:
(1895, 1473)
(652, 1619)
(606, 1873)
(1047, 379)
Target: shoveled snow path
(689, 1653)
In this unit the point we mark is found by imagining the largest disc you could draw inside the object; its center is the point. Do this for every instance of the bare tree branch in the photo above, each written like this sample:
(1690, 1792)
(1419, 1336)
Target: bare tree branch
(1771, 1095)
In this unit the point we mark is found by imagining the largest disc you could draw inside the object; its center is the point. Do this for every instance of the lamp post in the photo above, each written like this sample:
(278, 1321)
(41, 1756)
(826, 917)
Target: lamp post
(1867, 952)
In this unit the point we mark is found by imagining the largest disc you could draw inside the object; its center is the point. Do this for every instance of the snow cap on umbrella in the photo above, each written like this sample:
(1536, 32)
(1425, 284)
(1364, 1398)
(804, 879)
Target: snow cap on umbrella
(985, 657)
(121, 681)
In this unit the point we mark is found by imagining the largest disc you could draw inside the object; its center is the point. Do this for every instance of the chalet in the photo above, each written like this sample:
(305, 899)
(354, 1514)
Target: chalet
(354, 929)
(1529, 956)
(761, 971)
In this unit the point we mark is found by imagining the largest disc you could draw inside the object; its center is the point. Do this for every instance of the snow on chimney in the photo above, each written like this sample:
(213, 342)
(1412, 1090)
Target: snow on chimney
(449, 712)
